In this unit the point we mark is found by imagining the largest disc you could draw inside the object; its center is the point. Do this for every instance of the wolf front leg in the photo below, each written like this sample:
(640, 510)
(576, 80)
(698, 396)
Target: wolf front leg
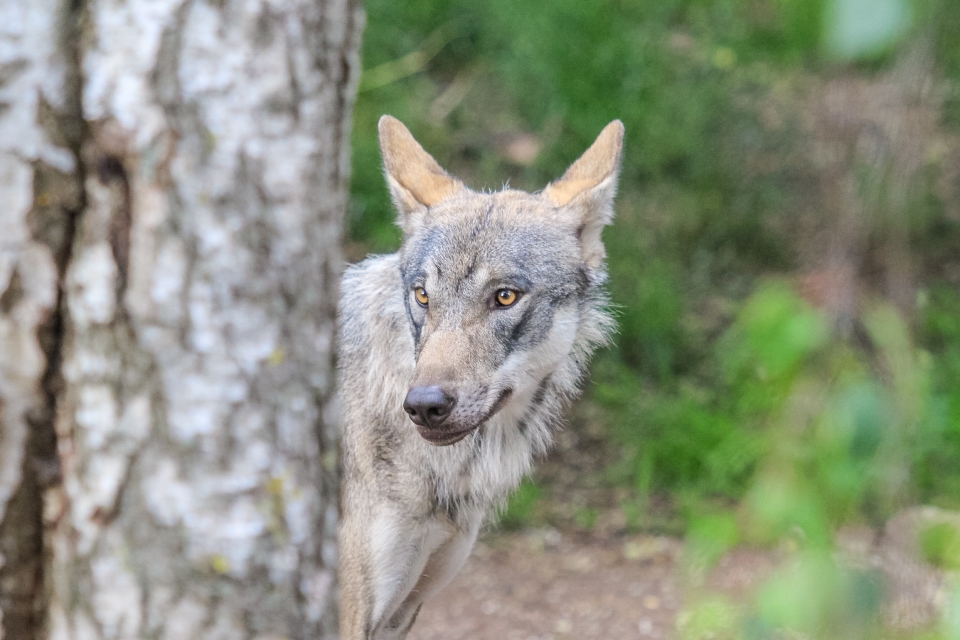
(442, 565)
(383, 555)
(389, 565)
(356, 586)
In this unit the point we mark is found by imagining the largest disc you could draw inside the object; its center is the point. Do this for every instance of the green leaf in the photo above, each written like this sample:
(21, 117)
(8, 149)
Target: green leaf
(710, 537)
(802, 596)
(860, 29)
(941, 545)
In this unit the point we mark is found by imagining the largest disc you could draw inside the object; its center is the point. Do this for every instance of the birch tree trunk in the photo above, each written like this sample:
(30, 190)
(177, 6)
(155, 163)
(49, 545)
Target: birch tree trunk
(168, 281)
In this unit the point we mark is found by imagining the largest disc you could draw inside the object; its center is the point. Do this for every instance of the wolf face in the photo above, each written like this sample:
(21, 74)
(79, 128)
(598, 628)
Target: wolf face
(496, 284)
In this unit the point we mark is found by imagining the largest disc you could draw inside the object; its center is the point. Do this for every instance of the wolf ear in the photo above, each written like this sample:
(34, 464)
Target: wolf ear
(587, 189)
(416, 180)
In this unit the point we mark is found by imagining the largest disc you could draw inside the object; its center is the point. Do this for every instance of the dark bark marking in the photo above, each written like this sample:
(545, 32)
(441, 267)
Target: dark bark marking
(58, 202)
(53, 223)
(21, 542)
(111, 172)
(13, 293)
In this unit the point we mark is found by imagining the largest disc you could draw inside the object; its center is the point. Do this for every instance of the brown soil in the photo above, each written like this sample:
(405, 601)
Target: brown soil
(540, 586)
(536, 586)
(543, 585)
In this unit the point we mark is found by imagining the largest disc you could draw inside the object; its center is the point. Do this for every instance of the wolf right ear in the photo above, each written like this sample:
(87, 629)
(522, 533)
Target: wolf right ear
(587, 189)
(416, 181)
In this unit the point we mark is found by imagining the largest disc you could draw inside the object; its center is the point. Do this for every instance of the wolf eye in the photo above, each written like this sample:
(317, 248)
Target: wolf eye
(506, 297)
(421, 295)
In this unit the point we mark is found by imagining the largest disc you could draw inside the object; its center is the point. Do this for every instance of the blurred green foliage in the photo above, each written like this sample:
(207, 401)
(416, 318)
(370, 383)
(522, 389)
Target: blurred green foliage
(521, 506)
(941, 545)
(864, 28)
(727, 391)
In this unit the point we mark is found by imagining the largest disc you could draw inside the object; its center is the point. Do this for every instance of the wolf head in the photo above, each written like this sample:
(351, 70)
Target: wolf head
(498, 286)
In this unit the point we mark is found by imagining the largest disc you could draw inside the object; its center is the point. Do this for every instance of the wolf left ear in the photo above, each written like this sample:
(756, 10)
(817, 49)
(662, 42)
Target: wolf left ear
(416, 181)
(587, 189)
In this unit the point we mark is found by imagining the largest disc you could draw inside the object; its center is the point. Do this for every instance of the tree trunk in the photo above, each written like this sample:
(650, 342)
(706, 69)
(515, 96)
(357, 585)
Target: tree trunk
(188, 357)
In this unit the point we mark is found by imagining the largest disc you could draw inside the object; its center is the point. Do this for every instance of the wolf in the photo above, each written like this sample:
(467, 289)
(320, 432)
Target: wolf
(456, 356)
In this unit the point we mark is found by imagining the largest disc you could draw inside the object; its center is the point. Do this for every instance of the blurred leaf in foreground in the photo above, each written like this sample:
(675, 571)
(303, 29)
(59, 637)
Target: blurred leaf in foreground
(941, 545)
(709, 537)
(863, 29)
(713, 617)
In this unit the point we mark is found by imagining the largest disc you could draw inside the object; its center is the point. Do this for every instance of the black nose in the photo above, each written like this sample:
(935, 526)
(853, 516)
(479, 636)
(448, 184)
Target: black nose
(428, 406)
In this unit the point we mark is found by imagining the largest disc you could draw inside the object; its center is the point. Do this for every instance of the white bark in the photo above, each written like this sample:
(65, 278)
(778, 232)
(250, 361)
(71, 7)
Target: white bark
(190, 355)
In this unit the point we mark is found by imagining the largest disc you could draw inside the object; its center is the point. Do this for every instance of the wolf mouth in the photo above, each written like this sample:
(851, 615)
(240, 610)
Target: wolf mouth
(447, 438)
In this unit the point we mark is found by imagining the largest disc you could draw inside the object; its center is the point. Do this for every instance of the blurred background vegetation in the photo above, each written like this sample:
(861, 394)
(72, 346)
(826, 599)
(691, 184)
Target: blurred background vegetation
(785, 263)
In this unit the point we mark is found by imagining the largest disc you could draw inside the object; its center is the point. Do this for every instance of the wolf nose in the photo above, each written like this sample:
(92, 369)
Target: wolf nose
(428, 406)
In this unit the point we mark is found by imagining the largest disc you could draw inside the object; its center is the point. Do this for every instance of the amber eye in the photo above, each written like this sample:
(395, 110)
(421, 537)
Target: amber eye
(506, 297)
(421, 295)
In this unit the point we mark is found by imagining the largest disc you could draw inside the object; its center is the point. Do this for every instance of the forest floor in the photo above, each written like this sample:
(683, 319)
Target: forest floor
(540, 585)
(544, 585)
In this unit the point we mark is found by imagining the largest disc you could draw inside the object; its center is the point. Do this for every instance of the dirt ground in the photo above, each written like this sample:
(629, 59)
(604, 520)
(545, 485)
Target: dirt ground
(543, 585)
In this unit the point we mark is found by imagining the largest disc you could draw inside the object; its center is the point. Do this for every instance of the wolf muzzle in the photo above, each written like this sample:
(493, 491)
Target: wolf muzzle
(428, 408)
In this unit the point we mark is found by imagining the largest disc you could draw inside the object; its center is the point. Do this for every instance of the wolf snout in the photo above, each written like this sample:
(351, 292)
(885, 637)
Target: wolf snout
(429, 406)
